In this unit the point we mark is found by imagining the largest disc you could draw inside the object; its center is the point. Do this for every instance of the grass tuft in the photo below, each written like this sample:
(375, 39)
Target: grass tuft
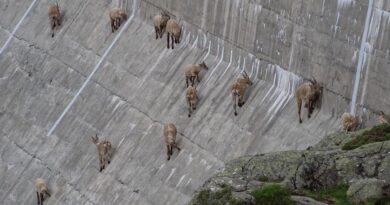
(272, 194)
(333, 195)
(221, 197)
(378, 133)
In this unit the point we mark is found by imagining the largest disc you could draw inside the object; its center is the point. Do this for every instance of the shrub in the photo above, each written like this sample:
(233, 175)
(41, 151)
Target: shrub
(272, 194)
(221, 197)
(378, 133)
(333, 195)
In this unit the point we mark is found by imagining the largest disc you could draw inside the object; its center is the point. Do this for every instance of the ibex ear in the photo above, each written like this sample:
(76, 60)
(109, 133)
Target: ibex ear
(314, 79)
(245, 74)
(93, 139)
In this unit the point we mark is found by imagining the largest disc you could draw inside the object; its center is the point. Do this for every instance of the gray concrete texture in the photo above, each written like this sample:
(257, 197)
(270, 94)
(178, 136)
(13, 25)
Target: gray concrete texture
(140, 85)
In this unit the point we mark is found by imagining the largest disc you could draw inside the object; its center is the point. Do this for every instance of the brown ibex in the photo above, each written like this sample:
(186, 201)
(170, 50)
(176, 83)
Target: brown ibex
(104, 149)
(192, 99)
(170, 132)
(383, 118)
(117, 16)
(192, 71)
(41, 189)
(311, 93)
(349, 122)
(160, 23)
(54, 16)
(238, 90)
(173, 31)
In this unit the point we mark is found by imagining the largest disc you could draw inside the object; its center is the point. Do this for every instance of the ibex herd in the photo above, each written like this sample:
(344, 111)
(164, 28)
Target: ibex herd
(310, 92)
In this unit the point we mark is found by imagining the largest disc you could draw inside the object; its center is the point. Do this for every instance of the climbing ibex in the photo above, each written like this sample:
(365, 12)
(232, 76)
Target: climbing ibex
(383, 118)
(41, 189)
(117, 16)
(170, 132)
(192, 71)
(104, 150)
(54, 16)
(349, 122)
(192, 99)
(160, 23)
(238, 90)
(311, 93)
(174, 31)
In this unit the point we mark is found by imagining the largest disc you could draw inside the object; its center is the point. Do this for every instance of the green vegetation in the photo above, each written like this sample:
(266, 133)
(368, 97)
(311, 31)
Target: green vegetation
(221, 197)
(332, 195)
(272, 194)
(378, 133)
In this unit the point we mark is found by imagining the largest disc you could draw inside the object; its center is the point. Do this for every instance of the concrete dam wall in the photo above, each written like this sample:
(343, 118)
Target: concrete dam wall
(57, 92)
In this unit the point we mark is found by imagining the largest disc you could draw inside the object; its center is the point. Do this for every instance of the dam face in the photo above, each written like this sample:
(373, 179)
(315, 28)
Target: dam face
(58, 92)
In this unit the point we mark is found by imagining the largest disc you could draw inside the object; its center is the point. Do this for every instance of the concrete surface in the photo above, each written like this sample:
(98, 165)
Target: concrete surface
(140, 85)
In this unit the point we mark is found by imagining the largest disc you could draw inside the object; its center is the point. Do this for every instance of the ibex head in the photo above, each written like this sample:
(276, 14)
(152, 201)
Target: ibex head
(95, 139)
(165, 14)
(318, 89)
(203, 65)
(246, 77)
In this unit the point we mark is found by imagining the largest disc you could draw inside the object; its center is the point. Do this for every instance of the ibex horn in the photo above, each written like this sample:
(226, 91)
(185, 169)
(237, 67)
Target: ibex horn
(314, 79)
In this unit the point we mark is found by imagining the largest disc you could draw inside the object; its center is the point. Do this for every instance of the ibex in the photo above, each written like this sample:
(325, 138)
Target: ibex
(192, 99)
(311, 93)
(117, 16)
(383, 118)
(238, 90)
(54, 16)
(170, 132)
(160, 23)
(349, 122)
(41, 189)
(174, 31)
(192, 71)
(104, 150)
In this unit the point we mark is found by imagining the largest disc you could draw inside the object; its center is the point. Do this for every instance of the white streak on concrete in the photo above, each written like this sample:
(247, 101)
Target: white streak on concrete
(170, 175)
(230, 62)
(132, 125)
(17, 27)
(180, 180)
(195, 42)
(93, 72)
(153, 67)
(215, 68)
(360, 60)
(208, 52)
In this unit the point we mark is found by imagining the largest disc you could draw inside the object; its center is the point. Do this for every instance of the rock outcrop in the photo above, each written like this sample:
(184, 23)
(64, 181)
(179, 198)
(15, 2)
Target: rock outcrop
(365, 169)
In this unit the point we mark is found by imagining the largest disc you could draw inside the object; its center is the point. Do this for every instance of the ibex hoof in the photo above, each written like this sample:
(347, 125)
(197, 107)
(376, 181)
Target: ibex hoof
(308, 116)
(300, 121)
(168, 158)
(189, 115)
(235, 113)
(108, 162)
(194, 108)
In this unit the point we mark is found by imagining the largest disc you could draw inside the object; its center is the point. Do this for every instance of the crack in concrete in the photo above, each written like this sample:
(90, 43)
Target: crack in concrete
(55, 172)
